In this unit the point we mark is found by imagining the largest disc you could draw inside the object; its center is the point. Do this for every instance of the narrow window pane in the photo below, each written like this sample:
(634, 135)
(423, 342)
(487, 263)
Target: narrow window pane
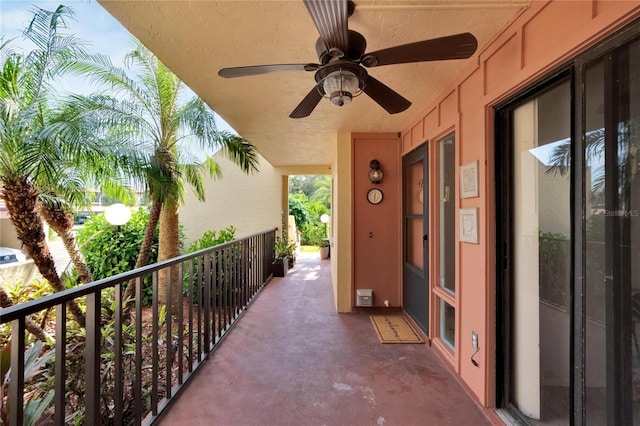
(448, 324)
(447, 221)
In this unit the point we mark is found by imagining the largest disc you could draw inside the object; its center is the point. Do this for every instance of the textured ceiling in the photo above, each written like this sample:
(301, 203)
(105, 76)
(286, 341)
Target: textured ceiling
(197, 38)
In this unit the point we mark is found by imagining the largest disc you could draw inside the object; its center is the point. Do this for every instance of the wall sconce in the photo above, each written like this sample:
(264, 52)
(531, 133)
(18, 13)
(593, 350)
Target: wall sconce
(375, 173)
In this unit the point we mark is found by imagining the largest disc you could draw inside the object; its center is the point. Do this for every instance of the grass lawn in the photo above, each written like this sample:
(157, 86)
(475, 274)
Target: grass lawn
(309, 249)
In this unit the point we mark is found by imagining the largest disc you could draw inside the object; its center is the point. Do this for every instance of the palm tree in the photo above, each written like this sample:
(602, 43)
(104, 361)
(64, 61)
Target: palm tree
(60, 218)
(31, 148)
(147, 111)
(67, 189)
(322, 193)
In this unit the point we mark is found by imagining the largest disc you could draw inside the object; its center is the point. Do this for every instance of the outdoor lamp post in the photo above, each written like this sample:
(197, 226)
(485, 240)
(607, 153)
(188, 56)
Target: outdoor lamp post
(325, 219)
(117, 214)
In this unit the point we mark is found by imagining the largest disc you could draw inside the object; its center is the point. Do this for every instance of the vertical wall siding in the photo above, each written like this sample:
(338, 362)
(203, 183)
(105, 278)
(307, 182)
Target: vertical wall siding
(376, 232)
(538, 41)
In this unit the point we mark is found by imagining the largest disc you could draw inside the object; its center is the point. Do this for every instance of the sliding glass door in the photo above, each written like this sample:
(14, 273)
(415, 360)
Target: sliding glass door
(612, 249)
(568, 179)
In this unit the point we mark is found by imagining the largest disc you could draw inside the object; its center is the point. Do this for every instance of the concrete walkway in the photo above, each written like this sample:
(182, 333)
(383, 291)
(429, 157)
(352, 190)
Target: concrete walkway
(59, 253)
(291, 360)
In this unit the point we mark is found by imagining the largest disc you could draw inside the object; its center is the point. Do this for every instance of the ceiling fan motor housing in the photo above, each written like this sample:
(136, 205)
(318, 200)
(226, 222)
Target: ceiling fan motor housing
(357, 46)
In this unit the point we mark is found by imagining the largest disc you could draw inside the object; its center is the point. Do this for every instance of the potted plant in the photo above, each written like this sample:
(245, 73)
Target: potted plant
(324, 248)
(291, 254)
(281, 262)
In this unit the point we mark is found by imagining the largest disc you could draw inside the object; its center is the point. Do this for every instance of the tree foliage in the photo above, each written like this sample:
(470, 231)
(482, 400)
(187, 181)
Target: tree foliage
(146, 108)
(298, 208)
(39, 141)
(110, 250)
(213, 238)
(309, 199)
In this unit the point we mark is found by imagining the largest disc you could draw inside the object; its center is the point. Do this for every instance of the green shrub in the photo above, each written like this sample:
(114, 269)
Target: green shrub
(312, 234)
(109, 250)
(213, 238)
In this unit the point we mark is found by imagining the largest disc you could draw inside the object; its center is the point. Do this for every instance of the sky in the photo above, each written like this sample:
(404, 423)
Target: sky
(93, 24)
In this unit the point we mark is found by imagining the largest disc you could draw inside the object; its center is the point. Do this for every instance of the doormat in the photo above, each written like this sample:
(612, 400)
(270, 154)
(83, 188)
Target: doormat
(394, 329)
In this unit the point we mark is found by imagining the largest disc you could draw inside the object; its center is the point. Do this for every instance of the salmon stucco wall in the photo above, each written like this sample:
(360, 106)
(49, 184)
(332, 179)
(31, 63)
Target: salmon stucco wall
(377, 228)
(251, 203)
(539, 40)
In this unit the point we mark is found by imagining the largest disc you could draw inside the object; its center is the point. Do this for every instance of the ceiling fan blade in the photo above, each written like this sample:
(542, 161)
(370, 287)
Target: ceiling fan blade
(330, 17)
(264, 69)
(308, 104)
(458, 46)
(386, 97)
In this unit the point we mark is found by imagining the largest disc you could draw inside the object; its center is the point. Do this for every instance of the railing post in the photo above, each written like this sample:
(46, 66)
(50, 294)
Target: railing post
(180, 337)
(138, 373)
(60, 368)
(215, 279)
(92, 359)
(192, 300)
(118, 374)
(154, 343)
(205, 271)
(168, 333)
(16, 385)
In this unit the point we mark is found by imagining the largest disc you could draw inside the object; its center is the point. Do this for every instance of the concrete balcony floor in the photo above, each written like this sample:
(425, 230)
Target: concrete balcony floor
(292, 360)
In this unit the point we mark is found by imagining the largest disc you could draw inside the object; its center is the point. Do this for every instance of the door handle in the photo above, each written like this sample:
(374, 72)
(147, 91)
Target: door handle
(425, 240)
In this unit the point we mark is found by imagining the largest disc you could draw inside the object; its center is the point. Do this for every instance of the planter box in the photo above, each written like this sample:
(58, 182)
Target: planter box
(324, 252)
(280, 267)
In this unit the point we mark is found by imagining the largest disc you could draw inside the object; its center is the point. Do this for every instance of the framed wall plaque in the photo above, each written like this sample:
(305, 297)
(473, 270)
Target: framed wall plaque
(469, 225)
(469, 180)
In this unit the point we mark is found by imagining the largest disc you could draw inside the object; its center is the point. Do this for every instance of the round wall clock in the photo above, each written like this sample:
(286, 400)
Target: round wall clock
(374, 196)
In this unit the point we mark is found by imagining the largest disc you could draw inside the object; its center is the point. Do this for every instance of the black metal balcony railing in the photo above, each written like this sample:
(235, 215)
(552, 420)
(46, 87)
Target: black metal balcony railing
(135, 358)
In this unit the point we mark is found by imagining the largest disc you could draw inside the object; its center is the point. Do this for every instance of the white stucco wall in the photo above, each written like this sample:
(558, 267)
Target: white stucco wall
(8, 236)
(251, 203)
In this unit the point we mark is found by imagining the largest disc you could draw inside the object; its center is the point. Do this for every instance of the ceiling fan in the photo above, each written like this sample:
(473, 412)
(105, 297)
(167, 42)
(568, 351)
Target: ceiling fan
(341, 73)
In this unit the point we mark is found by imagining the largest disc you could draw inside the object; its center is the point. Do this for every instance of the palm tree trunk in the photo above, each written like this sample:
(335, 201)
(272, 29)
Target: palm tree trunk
(62, 222)
(168, 248)
(23, 204)
(35, 329)
(145, 248)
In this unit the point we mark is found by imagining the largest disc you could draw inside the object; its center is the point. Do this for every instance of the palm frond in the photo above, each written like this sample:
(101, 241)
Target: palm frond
(193, 174)
(240, 151)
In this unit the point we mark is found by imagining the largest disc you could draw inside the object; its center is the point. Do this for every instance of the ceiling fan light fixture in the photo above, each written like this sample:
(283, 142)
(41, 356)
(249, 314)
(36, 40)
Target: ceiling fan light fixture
(340, 86)
(340, 98)
(340, 81)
